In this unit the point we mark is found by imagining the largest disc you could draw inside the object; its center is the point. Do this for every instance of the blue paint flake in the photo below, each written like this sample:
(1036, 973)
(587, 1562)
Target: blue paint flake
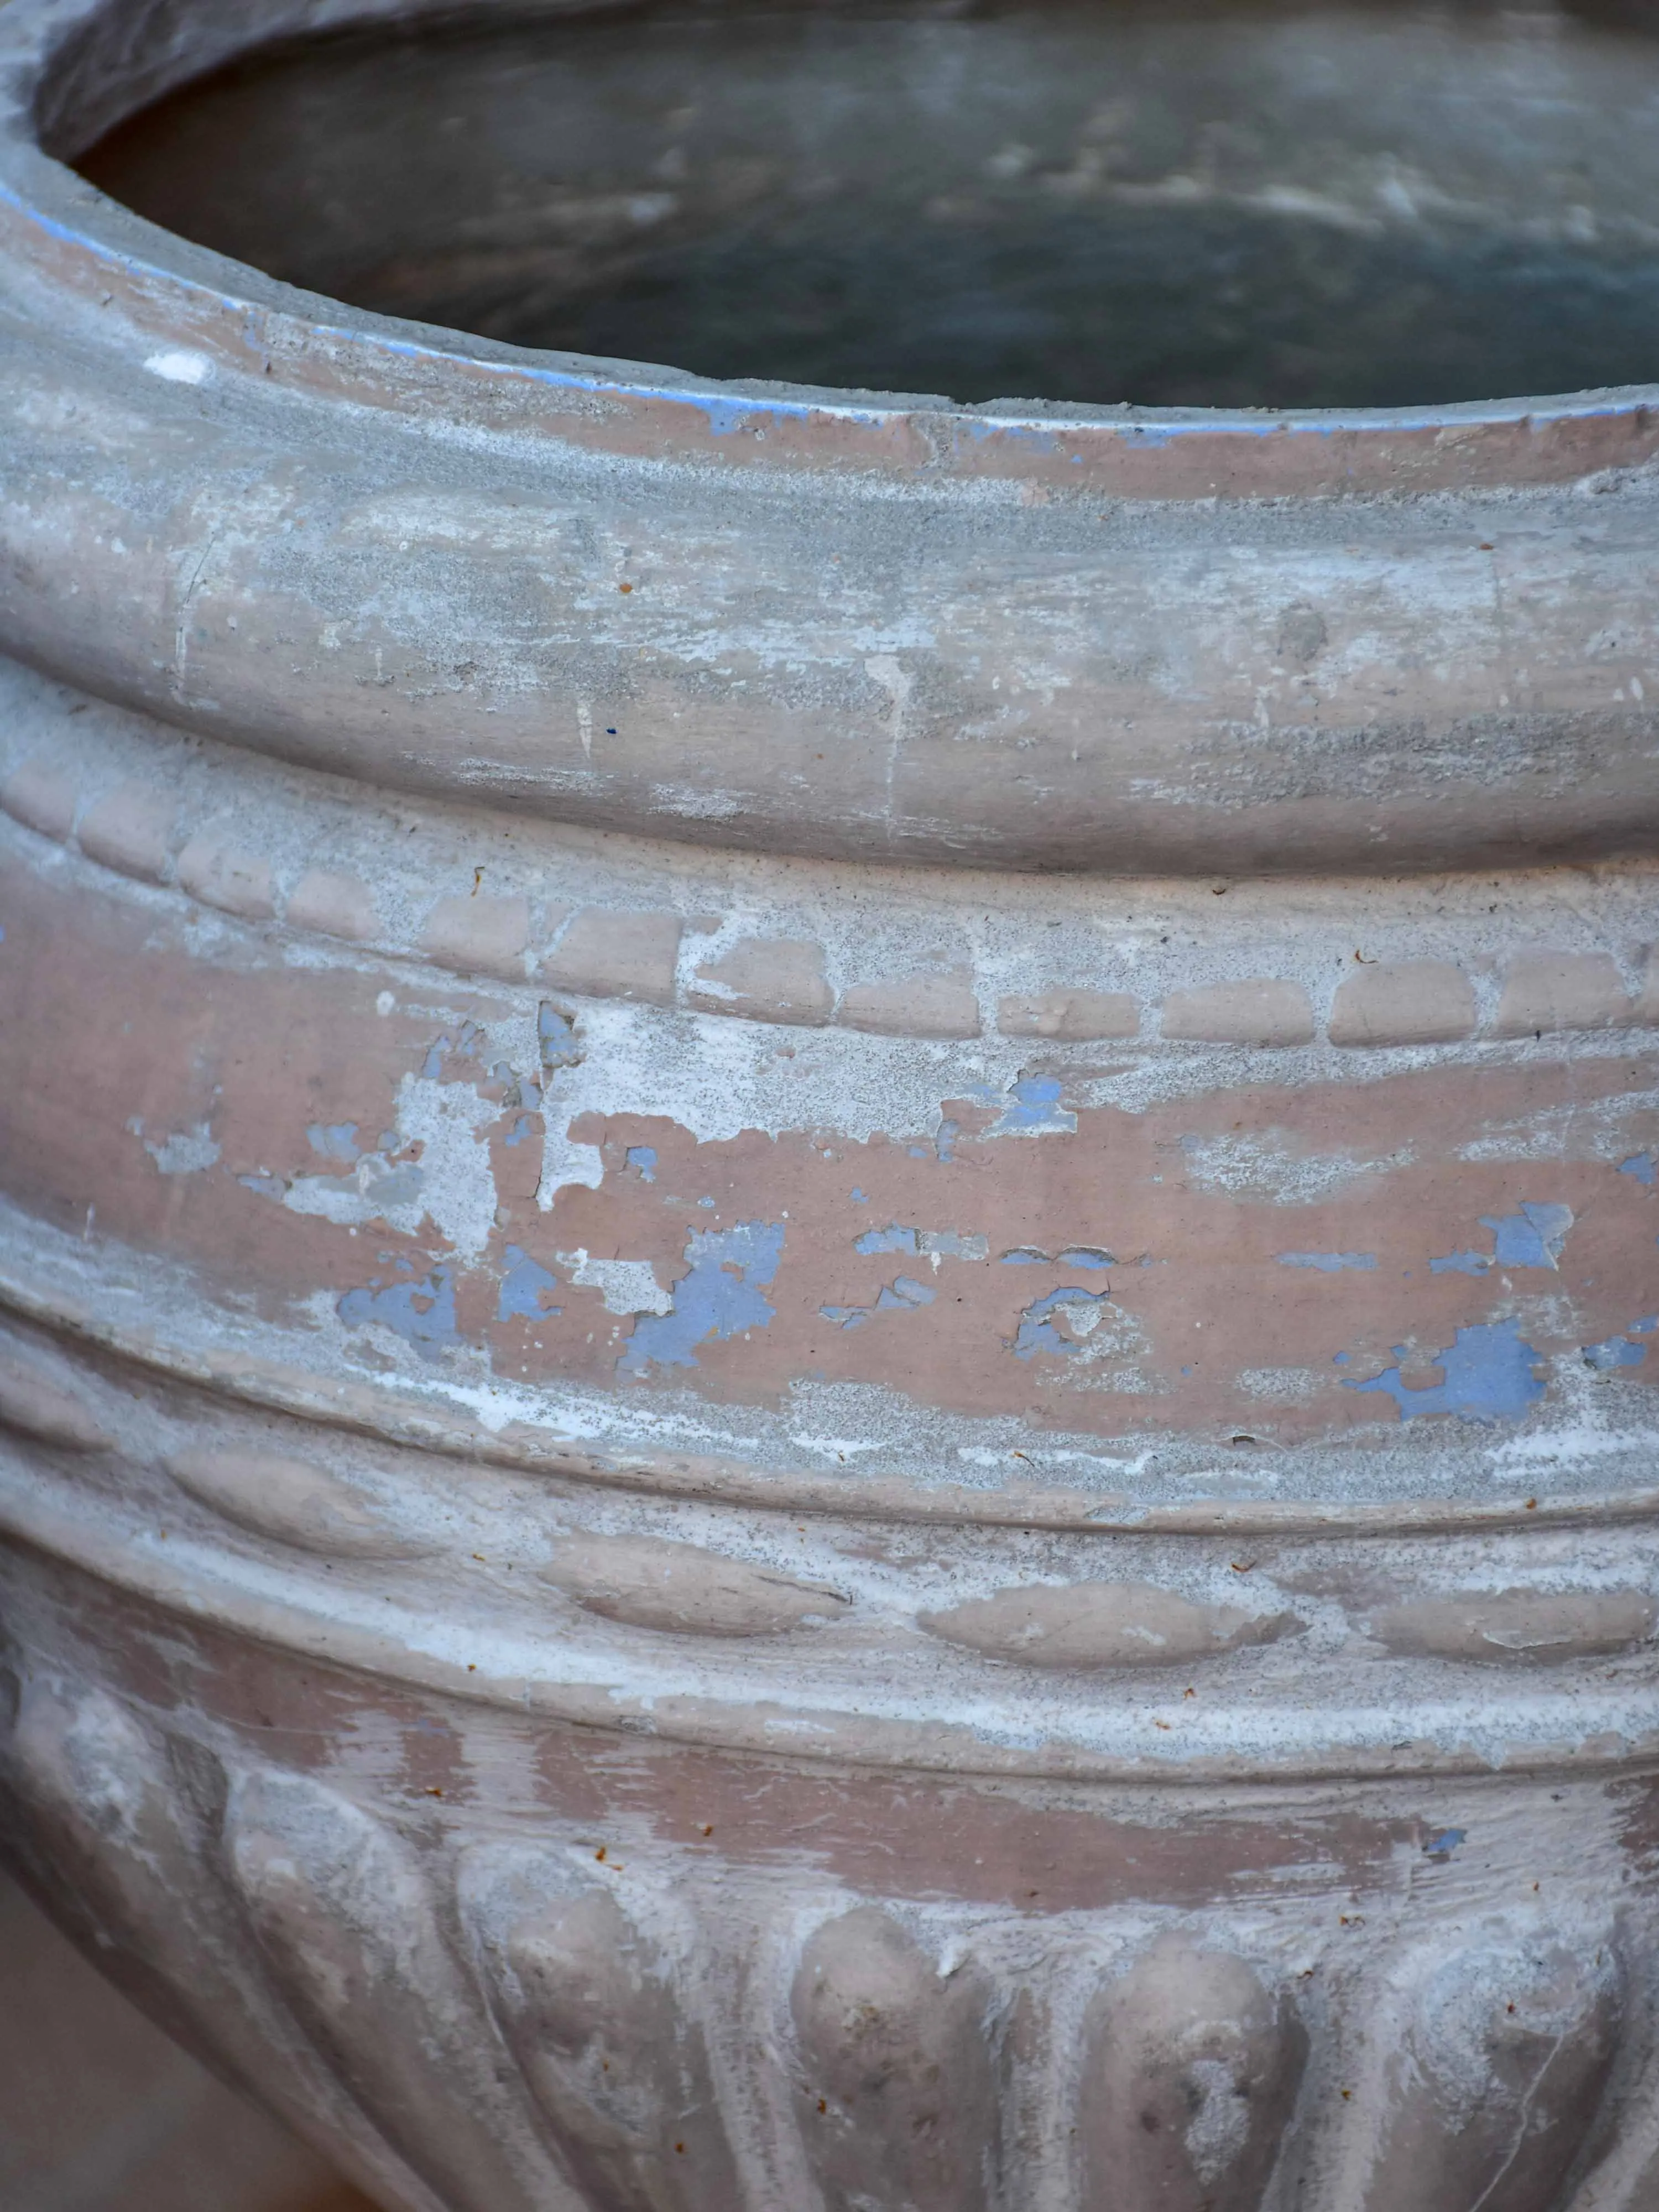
(904, 1294)
(1074, 1255)
(1490, 1375)
(1032, 1109)
(1328, 1263)
(1641, 1166)
(1645, 1327)
(1615, 1352)
(644, 1158)
(1441, 1846)
(858, 1196)
(556, 1037)
(524, 1129)
(335, 1140)
(1531, 1238)
(1038, 1332)
(424, 1312)
(720, 1297)
(893, 1238)
(522, 1286)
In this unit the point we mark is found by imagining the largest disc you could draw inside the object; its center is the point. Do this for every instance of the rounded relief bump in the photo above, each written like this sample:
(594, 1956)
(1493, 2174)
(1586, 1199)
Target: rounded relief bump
(1496, 2082)
(589, 2008)
(1189, 2084)
(1126, 1623)
(684, 1589)
(345, 1913)
(293, 1501)
(34, 1406)
(899, 2095)
(1519, 1625)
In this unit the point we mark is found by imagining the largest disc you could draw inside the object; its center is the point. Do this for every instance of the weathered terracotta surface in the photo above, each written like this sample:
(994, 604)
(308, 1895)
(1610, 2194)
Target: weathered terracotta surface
(828, 1250)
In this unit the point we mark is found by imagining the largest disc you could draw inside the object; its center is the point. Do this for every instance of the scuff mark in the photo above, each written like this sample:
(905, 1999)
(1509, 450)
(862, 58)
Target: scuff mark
(1490, 1374)
(1327, 1263)
(718, 1299)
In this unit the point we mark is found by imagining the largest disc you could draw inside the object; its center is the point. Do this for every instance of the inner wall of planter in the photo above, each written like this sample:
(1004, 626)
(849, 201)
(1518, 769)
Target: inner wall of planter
(1176, 206)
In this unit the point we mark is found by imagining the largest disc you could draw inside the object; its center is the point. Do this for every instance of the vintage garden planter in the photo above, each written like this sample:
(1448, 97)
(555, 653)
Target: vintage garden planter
(827, 1266)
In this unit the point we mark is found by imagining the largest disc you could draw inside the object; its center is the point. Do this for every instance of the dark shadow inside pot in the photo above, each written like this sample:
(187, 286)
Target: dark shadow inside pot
(1167, 205)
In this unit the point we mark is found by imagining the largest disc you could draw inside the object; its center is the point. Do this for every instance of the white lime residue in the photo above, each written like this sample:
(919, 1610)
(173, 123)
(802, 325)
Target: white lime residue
(187, 1151)
(1271, 1167)
(630, 1286)
(175, 365)
(448, 1182)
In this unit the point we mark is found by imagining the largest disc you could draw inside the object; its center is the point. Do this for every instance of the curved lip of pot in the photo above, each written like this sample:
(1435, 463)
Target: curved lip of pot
(238, 319)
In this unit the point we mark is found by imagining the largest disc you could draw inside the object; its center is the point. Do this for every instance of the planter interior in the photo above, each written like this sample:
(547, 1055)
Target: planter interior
(1246, 206)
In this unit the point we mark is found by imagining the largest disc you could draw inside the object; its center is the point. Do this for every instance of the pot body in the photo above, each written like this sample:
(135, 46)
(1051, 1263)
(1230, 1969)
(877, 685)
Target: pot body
(828, 1256)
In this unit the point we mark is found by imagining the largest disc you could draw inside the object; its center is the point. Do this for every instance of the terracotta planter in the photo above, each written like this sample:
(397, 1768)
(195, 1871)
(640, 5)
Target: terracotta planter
(829, 1224)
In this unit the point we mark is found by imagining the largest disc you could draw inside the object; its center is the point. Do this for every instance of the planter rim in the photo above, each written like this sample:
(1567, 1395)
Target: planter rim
(245, 320)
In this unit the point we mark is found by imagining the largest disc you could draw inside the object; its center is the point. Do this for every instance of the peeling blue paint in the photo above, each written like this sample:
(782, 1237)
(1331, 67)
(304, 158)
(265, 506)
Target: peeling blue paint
(644, 1158)
(466, 1044)
(522, 1286)
(1328, 1263)
(335, 1140)
(1443, 1845)
(1032, 1109)
(1074, 1255)
(890, 1239)
(1531, 1238)
(424, 1312)
(524, 1129)
(1612, 1353)
(1645, 1327)
(858, 1196)
(1490, 1375)
(719, 1299)
(1461, 1263)
(904, 1294)
(556, 1037)
(1640, 1165)
(1037, 1333)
